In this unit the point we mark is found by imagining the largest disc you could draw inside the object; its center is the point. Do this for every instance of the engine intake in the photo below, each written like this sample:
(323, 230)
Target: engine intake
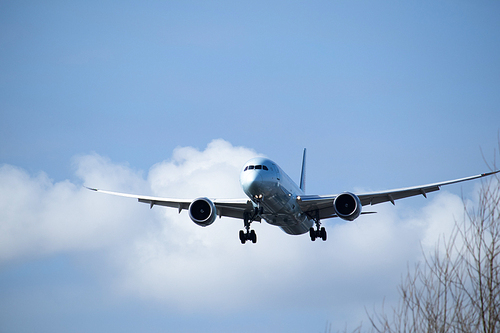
(347, 206)
(202, 211)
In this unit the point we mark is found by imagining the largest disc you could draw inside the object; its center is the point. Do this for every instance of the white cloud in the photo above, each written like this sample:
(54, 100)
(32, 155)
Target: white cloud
(213, 172)
(39, 216)
(161, 255)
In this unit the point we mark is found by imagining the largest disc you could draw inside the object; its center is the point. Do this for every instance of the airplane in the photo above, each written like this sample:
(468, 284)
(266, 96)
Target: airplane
(275, 198)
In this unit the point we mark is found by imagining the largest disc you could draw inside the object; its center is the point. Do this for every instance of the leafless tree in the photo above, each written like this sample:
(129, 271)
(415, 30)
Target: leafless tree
(457, 288)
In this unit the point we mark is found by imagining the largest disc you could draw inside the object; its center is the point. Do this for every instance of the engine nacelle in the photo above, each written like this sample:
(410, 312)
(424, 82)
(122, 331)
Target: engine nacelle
(347, 206)
(202, 211)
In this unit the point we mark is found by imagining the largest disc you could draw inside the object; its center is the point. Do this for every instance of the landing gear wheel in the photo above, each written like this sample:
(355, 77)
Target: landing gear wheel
(253, 236)
(312, 234)
(323, 233)
(250, 236)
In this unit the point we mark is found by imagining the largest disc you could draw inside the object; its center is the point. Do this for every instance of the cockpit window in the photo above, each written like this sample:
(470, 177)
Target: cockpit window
(256, 167)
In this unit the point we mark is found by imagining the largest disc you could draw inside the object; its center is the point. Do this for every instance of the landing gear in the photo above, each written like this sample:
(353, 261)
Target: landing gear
(248, 234)
(318, 232)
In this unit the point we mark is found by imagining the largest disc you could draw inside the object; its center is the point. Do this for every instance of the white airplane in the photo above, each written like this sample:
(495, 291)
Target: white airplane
(275, 198)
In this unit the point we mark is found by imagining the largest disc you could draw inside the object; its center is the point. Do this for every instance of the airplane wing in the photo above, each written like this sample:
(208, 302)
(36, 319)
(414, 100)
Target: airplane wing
(323, 204)
(234, 208)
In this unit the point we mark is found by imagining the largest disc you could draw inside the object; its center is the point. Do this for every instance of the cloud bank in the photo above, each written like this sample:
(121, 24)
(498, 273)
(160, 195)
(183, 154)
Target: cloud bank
(160, 255)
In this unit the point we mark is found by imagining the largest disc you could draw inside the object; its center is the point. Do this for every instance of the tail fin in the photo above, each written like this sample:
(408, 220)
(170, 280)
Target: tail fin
(303, 173)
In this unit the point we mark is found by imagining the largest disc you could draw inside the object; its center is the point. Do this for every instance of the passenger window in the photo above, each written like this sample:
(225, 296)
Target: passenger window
(264, 167)
(250, 167)
(258, 167)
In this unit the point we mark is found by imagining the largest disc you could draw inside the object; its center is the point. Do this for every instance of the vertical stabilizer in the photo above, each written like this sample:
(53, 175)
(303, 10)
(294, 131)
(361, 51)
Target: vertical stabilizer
(303, 173)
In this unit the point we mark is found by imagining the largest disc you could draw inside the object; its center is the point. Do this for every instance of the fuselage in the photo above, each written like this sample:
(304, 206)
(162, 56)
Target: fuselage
(269, 187)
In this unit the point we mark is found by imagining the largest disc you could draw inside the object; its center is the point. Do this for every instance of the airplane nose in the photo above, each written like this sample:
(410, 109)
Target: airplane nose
(250, 182)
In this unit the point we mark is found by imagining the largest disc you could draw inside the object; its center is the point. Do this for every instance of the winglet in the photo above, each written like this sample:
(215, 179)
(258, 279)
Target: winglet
(303, 172)
(489, 173)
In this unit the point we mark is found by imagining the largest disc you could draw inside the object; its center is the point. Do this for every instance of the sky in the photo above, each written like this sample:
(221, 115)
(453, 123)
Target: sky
(171, 98)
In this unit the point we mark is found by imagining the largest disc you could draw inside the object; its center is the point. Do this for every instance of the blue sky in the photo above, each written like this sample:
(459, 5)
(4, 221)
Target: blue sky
(171, 98)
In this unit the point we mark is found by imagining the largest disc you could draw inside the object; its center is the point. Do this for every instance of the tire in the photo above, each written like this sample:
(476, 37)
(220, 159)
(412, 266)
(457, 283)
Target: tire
(243, 238)
(323, 233)
(253, 236)
(312, 234)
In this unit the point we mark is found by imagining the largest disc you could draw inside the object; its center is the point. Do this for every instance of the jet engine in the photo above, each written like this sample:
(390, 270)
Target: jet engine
(347, 206)
(202, 211)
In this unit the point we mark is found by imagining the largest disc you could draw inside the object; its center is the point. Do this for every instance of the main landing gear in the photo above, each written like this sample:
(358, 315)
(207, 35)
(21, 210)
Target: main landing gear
(318, 232)
(248, 234)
